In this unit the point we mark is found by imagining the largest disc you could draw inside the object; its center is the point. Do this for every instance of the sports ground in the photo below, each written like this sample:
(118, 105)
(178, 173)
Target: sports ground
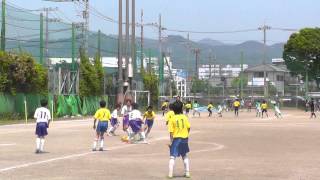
(221, 148)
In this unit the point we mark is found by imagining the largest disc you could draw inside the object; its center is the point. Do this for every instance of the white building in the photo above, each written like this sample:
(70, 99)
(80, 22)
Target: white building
(181, 84)
(217, 70)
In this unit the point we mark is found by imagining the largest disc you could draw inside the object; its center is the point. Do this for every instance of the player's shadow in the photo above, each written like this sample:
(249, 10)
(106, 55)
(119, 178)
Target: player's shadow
(180, 177)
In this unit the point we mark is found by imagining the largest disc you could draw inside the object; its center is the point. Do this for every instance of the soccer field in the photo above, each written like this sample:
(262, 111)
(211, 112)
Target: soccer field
(221, 148)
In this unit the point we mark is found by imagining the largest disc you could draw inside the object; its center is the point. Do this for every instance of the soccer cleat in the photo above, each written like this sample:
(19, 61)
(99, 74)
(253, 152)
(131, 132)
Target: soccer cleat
(100, 149)
(169, 177)
(94, 149)
(187, 175)
(37, 151)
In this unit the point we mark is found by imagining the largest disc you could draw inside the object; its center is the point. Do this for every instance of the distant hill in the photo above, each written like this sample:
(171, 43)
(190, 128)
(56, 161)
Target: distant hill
(178, 47)
(210, 42)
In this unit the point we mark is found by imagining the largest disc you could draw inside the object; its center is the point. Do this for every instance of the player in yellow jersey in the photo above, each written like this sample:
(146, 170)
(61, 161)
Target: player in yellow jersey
(179, 128)
(149, 117)
(169, 114)
(103, 116)
(264, 107)
(188, 106)
(236, 106)
(210, 107)
(164, 107)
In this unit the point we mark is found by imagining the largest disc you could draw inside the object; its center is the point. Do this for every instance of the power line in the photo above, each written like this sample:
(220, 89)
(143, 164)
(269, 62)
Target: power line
(211, 32)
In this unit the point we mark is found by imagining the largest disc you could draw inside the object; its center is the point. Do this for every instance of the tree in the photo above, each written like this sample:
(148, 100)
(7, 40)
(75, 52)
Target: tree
(302, 53)
(100, 73)
(198, 85)
(151, 83)
(89, 80)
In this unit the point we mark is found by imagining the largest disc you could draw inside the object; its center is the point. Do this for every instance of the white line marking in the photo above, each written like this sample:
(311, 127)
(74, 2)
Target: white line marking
(217, 148)
(8, 144)
(76, 155)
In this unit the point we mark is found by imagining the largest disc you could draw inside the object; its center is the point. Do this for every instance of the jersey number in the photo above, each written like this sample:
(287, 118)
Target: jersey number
(43, 115)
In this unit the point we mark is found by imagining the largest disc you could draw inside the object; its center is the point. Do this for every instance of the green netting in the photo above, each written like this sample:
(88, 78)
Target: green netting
(62, 106)
(71, 105)
(23, 33)
(7, 104)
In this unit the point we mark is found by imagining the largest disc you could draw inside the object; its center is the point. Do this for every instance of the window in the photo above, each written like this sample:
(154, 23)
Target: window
(280, 78)
(258, 74)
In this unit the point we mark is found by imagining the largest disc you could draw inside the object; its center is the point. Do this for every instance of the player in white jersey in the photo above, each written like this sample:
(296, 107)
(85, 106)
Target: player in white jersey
(114, 121)
(43, 117)
(125, 114)
(136, 123)
(277, 111)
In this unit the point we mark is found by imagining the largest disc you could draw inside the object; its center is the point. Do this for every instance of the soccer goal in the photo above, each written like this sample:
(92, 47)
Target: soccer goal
(140, 97)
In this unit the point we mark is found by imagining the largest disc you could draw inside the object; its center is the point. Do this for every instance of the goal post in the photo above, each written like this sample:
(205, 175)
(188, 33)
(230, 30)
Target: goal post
(140, 97)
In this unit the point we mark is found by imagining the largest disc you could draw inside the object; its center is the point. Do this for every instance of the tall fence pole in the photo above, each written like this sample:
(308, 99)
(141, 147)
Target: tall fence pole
(41, 39)
(3, 26)
(73, 46)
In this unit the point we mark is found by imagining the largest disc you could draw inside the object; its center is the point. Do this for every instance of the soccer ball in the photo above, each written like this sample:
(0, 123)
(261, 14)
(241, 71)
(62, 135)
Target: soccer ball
(125, 138)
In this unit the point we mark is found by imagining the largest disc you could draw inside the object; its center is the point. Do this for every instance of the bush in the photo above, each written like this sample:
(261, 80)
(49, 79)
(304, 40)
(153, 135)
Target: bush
(21, 73)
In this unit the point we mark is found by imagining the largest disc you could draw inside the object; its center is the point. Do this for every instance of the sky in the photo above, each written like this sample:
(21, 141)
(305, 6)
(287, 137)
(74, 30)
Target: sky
(199, 15)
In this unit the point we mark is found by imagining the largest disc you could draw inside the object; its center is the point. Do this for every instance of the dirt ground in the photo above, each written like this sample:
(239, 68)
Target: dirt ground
(221, 148)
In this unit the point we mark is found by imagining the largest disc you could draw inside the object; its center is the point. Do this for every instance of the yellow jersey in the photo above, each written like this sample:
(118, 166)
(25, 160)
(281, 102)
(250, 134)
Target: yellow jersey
(264, 106)
(102, 114)
(164, 104)
(149, 115)
(188, 106)
(210, 106)
(169, 115)
(236, 104)
(179, 126)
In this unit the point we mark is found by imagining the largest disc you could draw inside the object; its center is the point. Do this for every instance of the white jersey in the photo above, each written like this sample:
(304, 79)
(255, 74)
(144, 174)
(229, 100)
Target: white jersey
(125, 110)
(42, 114)
(114, 113)
(135, 115)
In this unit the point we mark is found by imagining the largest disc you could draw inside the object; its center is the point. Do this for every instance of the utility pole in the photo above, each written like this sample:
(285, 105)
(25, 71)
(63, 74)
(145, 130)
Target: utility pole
(196, 51)
(264, 28)
(133, 39)
(160, 60)
(86, 14)
(141, 43)
(85, 25)
(41, 39)
(120, 61)
(99, 45)
(3, 26)
(241, 76)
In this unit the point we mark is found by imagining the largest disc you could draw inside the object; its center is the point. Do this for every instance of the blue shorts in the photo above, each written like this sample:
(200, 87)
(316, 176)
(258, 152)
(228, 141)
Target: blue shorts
(114, 121)
(41, 129)
(102, 126)
(135, 125)
(149, 123)
(179, 147)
